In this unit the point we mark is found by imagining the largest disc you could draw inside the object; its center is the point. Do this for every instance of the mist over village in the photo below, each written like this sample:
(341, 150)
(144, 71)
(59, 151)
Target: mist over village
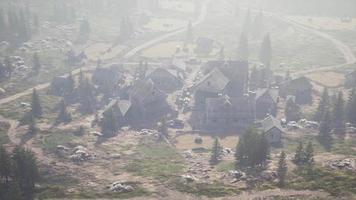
(178, 99)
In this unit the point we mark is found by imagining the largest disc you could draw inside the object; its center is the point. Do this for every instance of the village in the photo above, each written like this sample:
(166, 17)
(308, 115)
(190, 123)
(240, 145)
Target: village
(165, 111)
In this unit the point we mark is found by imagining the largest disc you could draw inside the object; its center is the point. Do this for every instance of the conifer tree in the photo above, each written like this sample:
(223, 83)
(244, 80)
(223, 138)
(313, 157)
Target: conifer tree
(163, 127)
(351, 107)
(32, 129)
(36, 108)
(339, 115)
(282, 169)
(189, 35)
(299, 155)
(309, 154)
(215, 152)
(323, 105)
(109, 124)
(247, 22)
(63, 115)
(266, 51)
(325, 126)
(5, 165)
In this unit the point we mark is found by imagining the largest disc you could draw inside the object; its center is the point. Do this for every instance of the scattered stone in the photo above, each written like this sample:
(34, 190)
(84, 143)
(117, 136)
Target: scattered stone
(345, 164)
(120, 187)
(188, 178)
(115, 156)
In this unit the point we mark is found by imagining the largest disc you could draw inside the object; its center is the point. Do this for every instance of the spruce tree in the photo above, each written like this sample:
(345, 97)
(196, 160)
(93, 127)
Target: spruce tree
(352, 108)
(36, 108)
(243, 51)
(299, 155)
(5, 165)
(163, 127)
(247, 22)
(266, 51)
(215, 152)
(189, 35)
(309, 154)
(32, 129)
(339, 115)
(63, 115)
(325, 126)
(323, 105)
(282, 169)
(25, 171)
(36, 64)
(109, 124)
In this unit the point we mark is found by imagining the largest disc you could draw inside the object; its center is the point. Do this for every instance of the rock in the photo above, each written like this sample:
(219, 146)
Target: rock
(62, 148)
(120, 187)
(236, 174)
(345, 164)
(188, 178)
(97, 134)
(2, 91)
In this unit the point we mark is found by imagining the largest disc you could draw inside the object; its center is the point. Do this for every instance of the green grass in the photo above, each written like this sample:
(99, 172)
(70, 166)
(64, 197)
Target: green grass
(157, 160)
(338, 145)
(225, 166)
(4, 127)
(59, 192)
(211, 190)
(55, 138)
(334, 182)
(14, 109)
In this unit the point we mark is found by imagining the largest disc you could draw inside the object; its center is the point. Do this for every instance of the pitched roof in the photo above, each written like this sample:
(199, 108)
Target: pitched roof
(143, 90)
(273, 93)
(236, 104)
(215, 82)
(124, 106)
(164, 70)
(271, 122)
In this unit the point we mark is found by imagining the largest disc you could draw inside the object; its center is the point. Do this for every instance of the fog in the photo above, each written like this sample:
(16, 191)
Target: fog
(177, 99)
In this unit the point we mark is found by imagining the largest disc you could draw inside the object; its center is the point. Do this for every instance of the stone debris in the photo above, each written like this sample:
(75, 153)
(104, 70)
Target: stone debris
(120, 187)
(80, 154)
(345, 164)
(188, 178)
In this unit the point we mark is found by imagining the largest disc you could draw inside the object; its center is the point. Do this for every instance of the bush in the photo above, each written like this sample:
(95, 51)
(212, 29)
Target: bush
(198, 140)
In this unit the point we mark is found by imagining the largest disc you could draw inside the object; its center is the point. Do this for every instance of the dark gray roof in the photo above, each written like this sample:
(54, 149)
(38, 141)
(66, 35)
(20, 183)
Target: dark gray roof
(271, 122)
(143, 91)
(214, 82)
(237, 104)
(171, 72)
(273, 93)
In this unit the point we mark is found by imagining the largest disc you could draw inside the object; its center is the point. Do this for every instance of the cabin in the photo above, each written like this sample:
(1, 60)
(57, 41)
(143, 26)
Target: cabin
(229, 114)
(237, 72)
(266, 102)
(123, 111)
(167, 80)
(148, 102)
(272, 130)
(210, 86)
(301, 88)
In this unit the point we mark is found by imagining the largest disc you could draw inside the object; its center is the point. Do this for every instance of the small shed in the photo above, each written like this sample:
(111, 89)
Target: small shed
(272, 129)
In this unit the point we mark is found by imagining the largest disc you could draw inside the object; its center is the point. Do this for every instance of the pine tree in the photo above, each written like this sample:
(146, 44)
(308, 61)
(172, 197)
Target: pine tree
(109, 124)
(215, 152)
(25, 171)
(309, 154)
(325, 126)
(14, 192)
(339, 115)
(243, 51)
(282, 169)
(36, 64)
(323, 105)
(32, 129)
(252, 149)
(299, 155)
(266, 51)
(257, 27)
(352, 108)
(36, 108)
(63, 115)
(86, 97)
(5, 165)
